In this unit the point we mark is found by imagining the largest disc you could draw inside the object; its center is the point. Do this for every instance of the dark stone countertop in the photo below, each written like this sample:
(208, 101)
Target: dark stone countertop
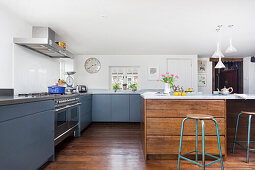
(8, 100)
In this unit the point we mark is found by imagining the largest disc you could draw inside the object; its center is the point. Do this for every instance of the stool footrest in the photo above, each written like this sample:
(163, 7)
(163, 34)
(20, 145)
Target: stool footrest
(187, 159)
(244, 147)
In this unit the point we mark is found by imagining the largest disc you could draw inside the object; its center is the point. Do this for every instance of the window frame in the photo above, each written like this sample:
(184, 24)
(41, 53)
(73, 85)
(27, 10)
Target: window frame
(125, 74)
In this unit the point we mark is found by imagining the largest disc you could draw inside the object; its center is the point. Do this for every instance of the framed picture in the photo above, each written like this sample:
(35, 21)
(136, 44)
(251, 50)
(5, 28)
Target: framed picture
(202, 66)
(202, 81)
(153, 73)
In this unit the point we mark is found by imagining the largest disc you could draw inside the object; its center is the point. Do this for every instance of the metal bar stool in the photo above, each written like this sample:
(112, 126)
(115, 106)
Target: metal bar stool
(203, 165)
(248, 140)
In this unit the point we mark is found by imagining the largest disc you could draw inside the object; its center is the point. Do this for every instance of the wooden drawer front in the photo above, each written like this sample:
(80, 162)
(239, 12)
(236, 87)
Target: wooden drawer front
(180, 108)
(172, 126)
(170, 144)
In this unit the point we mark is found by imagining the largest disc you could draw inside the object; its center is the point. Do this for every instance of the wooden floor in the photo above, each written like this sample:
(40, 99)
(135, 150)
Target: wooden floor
(117, 147)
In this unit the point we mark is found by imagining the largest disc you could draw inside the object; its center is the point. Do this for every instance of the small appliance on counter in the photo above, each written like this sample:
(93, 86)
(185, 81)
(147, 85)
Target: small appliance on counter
(81, 89)
(70, 82)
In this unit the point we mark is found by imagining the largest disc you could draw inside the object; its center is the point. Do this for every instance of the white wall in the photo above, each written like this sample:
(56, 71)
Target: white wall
(101, 80)
(11, 27)
(21, 68)
(249, 77)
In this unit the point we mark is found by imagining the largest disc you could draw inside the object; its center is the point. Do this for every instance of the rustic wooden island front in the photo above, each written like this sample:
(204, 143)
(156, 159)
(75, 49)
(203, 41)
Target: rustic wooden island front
(162, 117)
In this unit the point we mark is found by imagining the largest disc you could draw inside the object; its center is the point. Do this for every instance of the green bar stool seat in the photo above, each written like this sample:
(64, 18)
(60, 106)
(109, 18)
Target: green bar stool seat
(200, 117)
(248, 149)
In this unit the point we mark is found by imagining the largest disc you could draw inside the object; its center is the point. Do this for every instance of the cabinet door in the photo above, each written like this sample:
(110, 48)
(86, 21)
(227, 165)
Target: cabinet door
(134, 108)
(101, 108)
(85, 111)
(120, 108)
(27, 142)
(89, 118)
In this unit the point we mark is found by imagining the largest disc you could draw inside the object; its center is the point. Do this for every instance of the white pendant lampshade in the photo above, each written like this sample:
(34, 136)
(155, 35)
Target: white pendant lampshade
(218, 53)
(220, 64)
(231, 48)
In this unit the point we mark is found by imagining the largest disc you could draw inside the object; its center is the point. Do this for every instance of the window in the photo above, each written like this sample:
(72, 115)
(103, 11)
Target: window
(123, 75)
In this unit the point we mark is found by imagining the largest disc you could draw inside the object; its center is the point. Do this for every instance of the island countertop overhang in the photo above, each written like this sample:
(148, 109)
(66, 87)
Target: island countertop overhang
(196, 96)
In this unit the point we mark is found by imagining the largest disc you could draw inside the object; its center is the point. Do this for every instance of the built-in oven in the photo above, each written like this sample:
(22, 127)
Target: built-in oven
(66, 118)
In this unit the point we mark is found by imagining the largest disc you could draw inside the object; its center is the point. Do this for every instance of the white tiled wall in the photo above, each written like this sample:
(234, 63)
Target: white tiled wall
(33, 72)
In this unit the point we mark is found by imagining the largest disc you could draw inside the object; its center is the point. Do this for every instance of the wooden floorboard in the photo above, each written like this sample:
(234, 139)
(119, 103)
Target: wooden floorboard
(116, 146)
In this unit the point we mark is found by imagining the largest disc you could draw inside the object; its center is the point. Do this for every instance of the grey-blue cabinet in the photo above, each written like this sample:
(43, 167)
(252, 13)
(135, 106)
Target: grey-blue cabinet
(116, 108)
(120, 108)
(101, 108)
(85, 111)
(27, 135)
(134, 108)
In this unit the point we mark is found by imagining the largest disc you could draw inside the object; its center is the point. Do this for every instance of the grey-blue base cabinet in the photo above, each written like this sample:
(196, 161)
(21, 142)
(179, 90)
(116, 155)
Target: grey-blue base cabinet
(120, 108)
(116, 108)
(101, 108)
(27, 135)
(134, 107)
(85, 111)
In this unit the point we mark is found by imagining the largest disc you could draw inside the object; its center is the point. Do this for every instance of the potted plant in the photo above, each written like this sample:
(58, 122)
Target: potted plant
(124, 86)
(168, 79)
(133, 87)
(116, 87)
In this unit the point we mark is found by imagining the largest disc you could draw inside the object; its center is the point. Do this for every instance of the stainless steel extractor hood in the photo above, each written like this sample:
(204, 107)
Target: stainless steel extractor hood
(43, 41)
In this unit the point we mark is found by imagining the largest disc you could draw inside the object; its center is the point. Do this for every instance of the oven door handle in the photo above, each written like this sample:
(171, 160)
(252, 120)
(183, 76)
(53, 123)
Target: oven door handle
(63, 108)
(73, 105)
(66, 107)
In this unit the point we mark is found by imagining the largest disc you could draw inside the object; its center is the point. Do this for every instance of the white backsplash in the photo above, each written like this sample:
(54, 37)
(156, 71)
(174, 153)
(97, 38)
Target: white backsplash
(33, 72)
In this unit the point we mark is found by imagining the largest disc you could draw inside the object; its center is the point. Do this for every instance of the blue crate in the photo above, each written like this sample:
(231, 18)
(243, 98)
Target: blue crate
(56, 89)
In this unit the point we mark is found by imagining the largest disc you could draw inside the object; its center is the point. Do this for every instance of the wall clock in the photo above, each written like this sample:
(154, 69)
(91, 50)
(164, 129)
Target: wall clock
(92, 65)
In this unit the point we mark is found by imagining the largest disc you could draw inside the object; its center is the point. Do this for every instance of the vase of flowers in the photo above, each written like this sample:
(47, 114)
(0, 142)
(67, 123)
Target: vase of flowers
(167, 88)
(168, 79)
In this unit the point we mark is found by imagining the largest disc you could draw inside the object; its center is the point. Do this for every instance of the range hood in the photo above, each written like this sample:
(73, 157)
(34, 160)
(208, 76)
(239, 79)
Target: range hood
(43, 41)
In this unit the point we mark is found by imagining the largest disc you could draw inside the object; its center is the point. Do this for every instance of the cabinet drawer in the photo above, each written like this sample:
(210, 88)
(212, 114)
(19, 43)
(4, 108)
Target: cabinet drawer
(170, 144)
(19, 110)
(172, 126)
(180, 108)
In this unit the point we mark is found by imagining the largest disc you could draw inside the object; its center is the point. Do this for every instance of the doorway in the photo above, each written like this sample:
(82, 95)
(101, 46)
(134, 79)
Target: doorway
(231, 76)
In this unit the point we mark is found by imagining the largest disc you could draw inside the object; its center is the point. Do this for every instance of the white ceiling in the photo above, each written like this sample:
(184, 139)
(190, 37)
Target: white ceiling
(143, 26)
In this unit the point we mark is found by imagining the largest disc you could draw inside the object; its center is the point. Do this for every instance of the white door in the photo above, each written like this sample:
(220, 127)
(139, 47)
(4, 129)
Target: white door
(182, 68)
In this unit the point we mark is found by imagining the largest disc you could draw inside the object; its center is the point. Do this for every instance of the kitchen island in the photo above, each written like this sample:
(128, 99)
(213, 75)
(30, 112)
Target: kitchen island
(162, 115)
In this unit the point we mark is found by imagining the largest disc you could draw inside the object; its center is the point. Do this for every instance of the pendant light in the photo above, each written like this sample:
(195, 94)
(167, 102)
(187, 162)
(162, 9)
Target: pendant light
(231, 48)
(218, 53)
(220, 64)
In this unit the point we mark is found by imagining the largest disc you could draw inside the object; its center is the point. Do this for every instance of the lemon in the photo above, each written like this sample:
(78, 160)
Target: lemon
(183, 94)
(176, 93)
